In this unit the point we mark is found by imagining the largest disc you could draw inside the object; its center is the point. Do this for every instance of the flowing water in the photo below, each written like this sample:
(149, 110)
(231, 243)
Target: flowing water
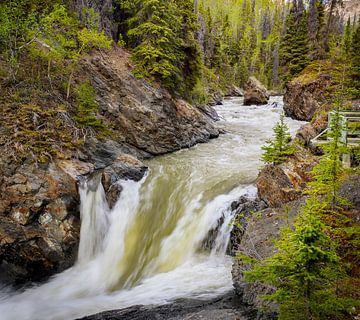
(147, 249)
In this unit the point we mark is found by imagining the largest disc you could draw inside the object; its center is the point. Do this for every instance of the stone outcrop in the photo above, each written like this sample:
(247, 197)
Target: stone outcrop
(39, 218)
(145, 116)
(256, 240)
(39, 203)
(279, 184)
(255, 93)
(305, 96)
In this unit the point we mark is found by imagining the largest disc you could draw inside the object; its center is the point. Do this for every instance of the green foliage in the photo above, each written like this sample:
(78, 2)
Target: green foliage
(304, 270)
(328, 173)
(16, 18)
(87, 106)
(162, 34)
(278, 149)
(60, 37)
(355, 61)
(294, 46)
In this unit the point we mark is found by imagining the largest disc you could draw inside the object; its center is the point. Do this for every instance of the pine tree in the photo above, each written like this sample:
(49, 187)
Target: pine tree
(328, 173)
(304, 270)
(192, 65)
(346, 45)
(156, 52)
(355, 61)
(294, 46)
(278, 149)
(87, 106)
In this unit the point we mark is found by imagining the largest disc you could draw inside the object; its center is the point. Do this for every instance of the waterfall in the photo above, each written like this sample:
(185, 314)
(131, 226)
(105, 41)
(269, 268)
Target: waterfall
(94, 220)
(147, 248)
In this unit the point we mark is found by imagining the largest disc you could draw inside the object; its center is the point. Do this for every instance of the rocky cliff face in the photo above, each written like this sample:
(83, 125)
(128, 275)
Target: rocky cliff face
(39, 203)
(146, 116)
(304, 97)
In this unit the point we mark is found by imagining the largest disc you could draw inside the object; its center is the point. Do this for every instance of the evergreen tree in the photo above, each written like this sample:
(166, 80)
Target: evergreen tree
(156, 51)
(346, 45)
(87, 106)
(278, 149)
(355, 61)
(328, 173)
(294, 48)
(304, 270)
(192, 64)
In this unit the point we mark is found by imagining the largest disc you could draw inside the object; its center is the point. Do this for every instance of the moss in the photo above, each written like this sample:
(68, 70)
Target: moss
(312, 72)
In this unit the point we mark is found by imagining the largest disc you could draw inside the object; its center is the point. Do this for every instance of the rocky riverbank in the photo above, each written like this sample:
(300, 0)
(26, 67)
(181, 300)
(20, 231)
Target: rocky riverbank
(39, 202)
(223, 308)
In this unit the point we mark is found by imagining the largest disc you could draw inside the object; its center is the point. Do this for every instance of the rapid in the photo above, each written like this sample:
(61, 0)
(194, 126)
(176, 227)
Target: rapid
(147, 248)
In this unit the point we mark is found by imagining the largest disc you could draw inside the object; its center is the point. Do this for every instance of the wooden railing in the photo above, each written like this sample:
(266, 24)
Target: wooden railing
(350, 129)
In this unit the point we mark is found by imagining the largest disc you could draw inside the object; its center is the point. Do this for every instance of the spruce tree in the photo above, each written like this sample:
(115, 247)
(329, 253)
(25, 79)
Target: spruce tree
(304, 270)
(328, 173)
(156, 52)
(278, 149)
(355, 61)
(294, 46)
(346, 45)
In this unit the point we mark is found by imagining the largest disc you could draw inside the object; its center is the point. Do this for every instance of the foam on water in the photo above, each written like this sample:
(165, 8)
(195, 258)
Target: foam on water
(147, 249)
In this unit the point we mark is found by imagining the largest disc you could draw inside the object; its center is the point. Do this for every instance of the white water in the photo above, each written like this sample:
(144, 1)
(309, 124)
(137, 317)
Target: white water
(146, 249)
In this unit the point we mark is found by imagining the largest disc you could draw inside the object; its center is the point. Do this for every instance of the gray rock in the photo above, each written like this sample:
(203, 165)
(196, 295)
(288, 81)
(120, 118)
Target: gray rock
(222, 308)
(146, 117)
(255, 93)
(256, 241)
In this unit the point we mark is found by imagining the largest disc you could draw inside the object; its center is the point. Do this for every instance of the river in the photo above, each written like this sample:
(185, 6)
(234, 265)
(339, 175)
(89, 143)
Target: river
(147, 249)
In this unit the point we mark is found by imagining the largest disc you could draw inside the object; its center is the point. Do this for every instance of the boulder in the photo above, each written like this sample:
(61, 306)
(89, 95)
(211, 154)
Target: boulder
(234, 91)
(255, 93)
(306, 133)
(279, 184)
(305, 96)
(125, 167)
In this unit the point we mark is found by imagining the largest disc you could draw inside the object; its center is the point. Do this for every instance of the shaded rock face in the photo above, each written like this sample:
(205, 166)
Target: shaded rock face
(39, 219)
(145, 116)
(255, 93)
(243, 209)
(256, 240)
(304, 98)
(279, 184)
(124, 168)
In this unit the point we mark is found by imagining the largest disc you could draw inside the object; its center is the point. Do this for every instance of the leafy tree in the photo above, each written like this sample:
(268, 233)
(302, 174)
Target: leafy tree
(16, 18)
(304, 270)
(278, 149)
(60, 37)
